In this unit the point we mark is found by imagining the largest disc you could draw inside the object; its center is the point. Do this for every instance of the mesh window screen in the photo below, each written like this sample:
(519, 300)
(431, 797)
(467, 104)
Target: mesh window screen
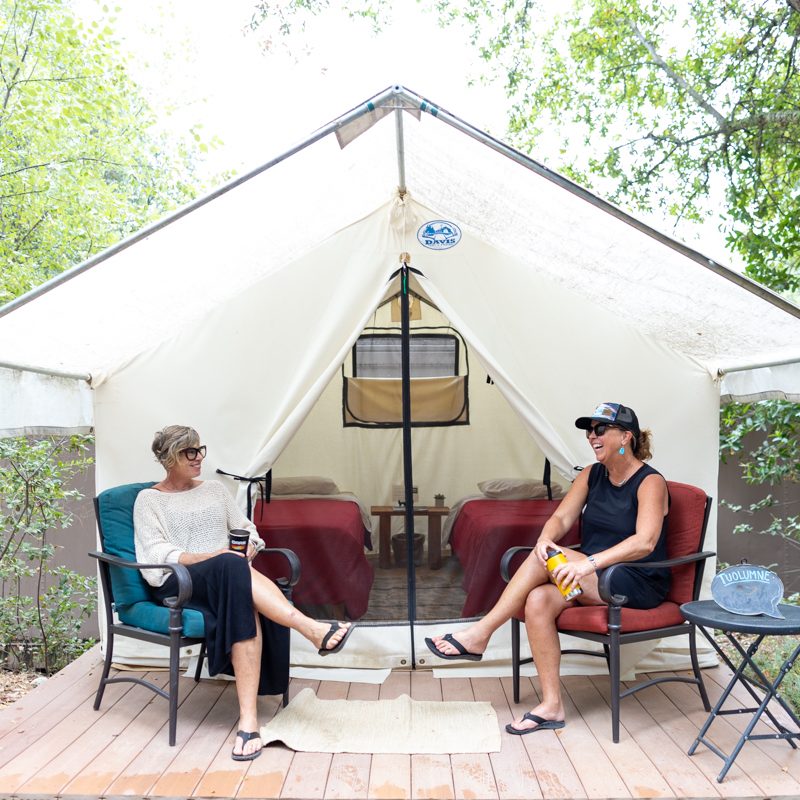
(431, 356)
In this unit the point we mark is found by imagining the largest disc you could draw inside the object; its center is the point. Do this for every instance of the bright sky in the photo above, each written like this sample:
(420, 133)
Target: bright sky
(195, 62)
(197, 65)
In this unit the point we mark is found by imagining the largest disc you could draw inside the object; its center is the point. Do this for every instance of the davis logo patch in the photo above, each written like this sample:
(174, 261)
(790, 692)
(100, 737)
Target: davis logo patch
(439, 234)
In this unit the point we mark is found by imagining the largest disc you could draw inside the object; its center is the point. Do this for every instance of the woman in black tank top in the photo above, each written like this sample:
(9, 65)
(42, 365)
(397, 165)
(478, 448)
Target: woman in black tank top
(623, 504)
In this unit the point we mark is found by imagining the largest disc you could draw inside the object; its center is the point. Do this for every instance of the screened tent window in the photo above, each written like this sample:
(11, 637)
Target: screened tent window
(372, 397)
(431, 356)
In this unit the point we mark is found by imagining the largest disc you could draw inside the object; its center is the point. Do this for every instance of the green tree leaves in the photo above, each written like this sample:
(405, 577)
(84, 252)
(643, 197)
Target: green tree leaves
(80, 166)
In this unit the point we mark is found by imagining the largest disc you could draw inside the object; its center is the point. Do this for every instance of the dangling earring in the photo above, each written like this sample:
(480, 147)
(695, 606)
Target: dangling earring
(622, 450)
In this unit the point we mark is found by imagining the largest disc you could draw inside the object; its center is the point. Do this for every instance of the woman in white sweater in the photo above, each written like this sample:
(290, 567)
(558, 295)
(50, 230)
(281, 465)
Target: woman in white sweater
(185, 520)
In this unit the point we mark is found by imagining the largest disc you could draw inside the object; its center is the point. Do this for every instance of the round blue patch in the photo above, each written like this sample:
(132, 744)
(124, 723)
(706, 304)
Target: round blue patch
(439, 234)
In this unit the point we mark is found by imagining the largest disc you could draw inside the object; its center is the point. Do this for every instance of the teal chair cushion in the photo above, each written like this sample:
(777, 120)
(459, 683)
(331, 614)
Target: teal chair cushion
(132, 598)
(153, 617)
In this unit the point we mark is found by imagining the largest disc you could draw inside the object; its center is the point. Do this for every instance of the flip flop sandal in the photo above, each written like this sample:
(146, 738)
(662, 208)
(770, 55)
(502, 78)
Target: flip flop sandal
(246, 737)
(462, 651)
(542, 724)
(326, 651)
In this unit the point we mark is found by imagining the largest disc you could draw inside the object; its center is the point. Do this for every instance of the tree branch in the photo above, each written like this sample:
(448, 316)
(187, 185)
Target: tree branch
(674, 77)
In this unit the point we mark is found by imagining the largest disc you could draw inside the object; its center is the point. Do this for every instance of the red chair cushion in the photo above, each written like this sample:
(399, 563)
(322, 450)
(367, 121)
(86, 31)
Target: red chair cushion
(684, 534)
(594, 619)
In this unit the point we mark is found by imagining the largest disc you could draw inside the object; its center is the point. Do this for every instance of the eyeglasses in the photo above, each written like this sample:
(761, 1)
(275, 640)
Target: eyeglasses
(599, 429)
(191, 453)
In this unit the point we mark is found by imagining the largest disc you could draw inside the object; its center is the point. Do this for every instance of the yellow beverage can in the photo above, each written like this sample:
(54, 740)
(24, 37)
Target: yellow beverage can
(554, 558)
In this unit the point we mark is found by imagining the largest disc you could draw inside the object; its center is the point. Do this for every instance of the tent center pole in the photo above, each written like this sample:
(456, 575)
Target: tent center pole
(401, 152)
(408, 479)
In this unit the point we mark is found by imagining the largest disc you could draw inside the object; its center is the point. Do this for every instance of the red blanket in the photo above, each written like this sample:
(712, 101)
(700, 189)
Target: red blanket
(483, 531)
(329, 538)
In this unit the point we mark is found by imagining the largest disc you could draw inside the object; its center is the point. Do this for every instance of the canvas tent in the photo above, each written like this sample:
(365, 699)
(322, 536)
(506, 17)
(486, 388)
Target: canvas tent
(235, 315)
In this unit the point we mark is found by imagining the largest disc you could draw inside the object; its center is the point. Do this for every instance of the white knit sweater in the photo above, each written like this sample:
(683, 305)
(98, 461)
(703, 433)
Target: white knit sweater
(167, 524)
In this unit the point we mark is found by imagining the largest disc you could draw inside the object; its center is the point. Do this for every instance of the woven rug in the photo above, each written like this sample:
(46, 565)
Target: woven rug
(401, 725)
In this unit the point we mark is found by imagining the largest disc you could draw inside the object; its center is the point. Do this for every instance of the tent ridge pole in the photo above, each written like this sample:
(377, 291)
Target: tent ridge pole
(364, 108)
(762, 365)
(53, 373)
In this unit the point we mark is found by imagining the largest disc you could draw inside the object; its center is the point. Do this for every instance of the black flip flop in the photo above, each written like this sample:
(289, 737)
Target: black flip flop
(246, 737)
(463, 653)
(326, 651)
(542, 724)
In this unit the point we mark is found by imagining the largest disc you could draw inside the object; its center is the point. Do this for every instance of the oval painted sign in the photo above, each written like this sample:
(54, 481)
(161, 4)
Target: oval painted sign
(748, 589)
(439, 234)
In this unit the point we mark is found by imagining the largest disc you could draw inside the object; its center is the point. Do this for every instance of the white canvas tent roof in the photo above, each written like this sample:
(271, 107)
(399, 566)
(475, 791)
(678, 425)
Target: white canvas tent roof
(234, 314)
(123, 302)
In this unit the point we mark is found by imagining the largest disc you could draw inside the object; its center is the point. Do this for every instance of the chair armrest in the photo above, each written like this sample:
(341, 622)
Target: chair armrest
(181, 574)
(604, 582)
(294, 564)
(505, 561)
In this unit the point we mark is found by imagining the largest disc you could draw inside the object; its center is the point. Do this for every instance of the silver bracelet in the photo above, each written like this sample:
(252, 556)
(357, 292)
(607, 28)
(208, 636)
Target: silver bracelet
(592, 562)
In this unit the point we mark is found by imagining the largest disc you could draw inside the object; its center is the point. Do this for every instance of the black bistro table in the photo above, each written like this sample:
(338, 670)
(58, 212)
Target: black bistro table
(708, 616)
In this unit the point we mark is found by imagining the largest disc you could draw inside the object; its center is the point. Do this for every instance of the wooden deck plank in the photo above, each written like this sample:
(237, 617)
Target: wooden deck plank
(39, 719)
(552, 765)
(267, 773)
(307, 776)
(641, 777)
(432, 777)
(155, 757)
(425, 687)
(89, 748)
(770, 779)
(76, 680)
(364, 691)
(349, 776)
(191, 766)
(682, 730)
(598, 774)
(97, 776)
(122, 749)
(390, 777)
(514, 775)
(396, 684)
(26, 761)
(786, 758)
(473, 776)
(681, 773)
(349, 772)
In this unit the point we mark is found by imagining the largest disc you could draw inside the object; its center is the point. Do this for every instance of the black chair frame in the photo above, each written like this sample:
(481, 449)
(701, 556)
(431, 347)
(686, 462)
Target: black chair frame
(174, 640)
(615, 638)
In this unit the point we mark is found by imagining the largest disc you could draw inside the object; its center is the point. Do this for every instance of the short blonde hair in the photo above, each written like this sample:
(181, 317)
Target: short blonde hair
(169, 441)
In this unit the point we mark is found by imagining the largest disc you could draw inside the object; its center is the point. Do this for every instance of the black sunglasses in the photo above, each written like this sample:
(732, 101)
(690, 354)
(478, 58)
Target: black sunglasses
(599, 429)
(191, 453)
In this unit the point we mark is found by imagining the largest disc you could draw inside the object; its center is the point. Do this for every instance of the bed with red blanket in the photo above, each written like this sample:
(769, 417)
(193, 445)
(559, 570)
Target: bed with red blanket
(329, 534)
(481, 529)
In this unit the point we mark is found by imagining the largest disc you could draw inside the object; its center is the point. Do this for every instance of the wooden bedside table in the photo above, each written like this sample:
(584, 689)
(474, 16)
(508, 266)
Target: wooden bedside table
(434, 515)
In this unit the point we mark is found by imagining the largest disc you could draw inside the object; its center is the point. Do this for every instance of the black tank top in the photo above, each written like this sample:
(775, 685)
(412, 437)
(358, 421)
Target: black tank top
(609, 516)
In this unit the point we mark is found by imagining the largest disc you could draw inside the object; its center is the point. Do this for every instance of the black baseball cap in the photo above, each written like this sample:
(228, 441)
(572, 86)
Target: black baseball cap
(613, 414)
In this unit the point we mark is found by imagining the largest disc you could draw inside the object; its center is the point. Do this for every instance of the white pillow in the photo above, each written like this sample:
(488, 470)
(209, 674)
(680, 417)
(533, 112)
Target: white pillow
(517, 489)
(304, 484)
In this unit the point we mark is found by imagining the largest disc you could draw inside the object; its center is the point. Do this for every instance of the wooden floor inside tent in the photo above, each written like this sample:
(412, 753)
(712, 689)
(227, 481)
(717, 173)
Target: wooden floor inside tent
(53, 744)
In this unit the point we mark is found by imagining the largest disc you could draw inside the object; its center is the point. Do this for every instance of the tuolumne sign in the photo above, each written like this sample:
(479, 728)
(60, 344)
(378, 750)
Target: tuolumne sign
(748, 589)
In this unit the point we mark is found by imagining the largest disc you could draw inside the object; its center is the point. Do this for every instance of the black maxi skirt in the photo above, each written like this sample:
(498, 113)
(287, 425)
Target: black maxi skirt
(222, 592)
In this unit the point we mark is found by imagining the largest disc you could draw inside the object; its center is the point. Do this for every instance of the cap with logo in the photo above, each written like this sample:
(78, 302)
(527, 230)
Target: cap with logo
(612, 414)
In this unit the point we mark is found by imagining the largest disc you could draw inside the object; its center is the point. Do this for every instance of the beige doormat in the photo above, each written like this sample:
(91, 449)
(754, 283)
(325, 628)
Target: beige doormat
(401, 725)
